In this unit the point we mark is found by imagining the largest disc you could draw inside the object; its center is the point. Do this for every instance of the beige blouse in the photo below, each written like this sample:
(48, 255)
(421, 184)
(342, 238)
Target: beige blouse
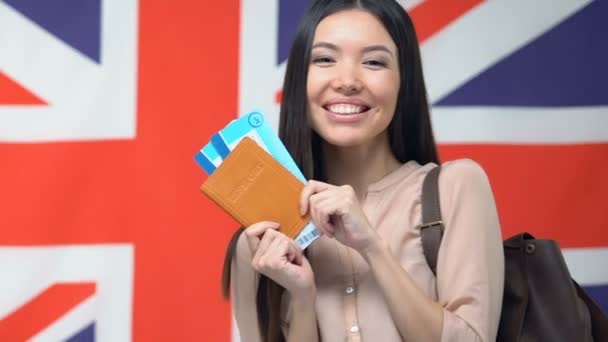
(350, 305)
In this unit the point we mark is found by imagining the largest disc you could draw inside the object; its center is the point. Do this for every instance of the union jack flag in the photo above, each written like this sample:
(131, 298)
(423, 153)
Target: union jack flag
(67, 73)
(104, 235)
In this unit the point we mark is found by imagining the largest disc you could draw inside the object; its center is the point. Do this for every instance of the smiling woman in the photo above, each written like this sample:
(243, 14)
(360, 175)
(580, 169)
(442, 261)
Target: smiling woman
(355, 118)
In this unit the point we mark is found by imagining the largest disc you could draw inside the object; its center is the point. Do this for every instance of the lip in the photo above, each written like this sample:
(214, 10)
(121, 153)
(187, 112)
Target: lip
(346, 100)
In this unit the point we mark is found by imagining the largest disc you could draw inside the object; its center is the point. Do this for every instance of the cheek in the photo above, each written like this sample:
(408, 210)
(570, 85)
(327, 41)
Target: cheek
(385, 89)
(313, 84)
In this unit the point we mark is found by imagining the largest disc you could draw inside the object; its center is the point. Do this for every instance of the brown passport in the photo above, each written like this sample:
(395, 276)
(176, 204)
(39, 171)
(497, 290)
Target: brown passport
(252, 186)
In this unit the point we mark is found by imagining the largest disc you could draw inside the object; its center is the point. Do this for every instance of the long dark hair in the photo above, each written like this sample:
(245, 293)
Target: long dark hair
(410, 133)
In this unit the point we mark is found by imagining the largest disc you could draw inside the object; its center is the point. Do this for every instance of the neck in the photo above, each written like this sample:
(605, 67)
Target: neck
(359, 166)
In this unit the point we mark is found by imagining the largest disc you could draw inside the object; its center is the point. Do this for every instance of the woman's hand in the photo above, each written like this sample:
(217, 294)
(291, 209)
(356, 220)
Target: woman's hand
(336, 211)
(278, 257)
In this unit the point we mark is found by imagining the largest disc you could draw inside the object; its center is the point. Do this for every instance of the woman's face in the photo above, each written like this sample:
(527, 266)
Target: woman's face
(353, 78)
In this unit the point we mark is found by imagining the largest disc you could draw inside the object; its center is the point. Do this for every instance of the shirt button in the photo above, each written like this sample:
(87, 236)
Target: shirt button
(354, 329)
(350, 290)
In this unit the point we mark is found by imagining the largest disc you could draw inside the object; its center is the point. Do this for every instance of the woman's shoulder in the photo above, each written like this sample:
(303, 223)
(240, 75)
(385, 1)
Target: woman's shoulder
(463, 170)
(462, 177)
(454, 175)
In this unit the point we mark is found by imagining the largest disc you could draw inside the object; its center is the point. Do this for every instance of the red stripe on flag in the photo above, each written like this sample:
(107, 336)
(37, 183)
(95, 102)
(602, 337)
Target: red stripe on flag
(278, 96)
(432, 16)
(552, 191)
(44, 309)
(12, 93)
(67, 193)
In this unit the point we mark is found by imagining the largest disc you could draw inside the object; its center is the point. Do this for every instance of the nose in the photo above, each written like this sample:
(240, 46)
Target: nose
(347, 80)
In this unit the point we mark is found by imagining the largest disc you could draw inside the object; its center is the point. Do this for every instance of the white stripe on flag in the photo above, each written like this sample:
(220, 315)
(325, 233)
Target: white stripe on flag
(484, 36)
(552, 125)
(410, 4)
(71, 323)
(588, 266)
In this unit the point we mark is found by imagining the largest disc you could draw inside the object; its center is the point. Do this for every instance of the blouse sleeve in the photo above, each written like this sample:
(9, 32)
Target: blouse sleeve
(470, 266)
(243, 287)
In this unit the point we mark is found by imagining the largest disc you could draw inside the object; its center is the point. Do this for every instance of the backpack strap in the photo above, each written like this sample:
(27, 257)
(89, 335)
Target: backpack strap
(431, 229)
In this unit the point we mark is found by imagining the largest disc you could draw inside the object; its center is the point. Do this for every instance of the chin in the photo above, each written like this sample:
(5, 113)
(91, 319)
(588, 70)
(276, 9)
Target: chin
(343, 140)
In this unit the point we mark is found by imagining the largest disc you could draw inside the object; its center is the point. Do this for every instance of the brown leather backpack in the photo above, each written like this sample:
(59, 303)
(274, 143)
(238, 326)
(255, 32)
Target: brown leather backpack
(541, 302)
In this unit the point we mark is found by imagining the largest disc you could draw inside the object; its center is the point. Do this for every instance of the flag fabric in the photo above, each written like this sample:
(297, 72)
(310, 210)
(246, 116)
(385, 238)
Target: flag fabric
(104, 234)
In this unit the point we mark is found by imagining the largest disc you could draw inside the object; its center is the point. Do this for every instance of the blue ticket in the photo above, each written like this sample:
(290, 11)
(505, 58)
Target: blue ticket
(255, 126)
(208, 158)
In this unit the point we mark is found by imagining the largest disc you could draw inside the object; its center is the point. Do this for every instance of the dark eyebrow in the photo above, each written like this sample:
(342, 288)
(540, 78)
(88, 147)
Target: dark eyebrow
(378, 48)
(365, 50)
(325, 45)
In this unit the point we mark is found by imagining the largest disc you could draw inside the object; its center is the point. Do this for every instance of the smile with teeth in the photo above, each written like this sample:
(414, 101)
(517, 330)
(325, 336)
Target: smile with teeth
(345, 109)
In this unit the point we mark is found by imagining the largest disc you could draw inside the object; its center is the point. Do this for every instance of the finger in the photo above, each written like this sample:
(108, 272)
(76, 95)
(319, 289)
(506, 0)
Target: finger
(273, 253)
(278, 249)
(325, 222)
(296, 253)
(316, 210)
(255, 231)
(311, 188)
(332, 209)
(259, 228)
(321, 213)
(265, 242)
(314, 213)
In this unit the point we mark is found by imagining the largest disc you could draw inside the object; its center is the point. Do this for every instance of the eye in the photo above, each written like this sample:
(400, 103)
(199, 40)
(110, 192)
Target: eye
(375, 63)
(323, 60)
